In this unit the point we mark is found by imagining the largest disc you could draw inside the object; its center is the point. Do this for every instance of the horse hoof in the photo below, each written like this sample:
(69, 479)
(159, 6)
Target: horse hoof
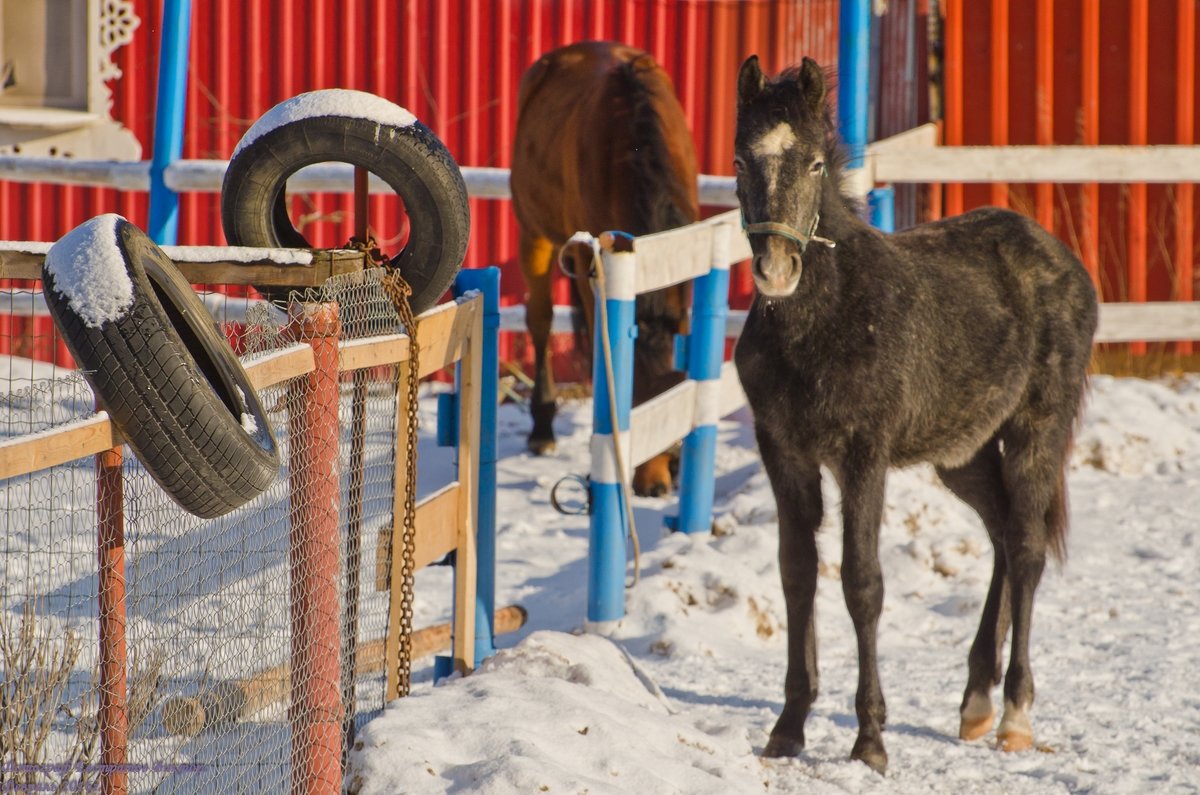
(542, 446)
(781, 747)
(1015, 732)
(974, 728)
(653, 490)
(1014, 741)
(871, 754)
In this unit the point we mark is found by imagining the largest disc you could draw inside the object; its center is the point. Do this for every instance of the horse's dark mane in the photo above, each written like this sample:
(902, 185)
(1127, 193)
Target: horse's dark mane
(659, 201)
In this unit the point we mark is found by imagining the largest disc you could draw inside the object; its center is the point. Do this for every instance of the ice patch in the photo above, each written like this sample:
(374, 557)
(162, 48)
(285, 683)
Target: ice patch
(89, 271)
(328, 102)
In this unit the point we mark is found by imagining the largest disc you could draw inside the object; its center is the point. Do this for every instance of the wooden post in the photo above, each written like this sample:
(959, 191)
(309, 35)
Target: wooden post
(470, 370)
(114, 714)
(316, 713)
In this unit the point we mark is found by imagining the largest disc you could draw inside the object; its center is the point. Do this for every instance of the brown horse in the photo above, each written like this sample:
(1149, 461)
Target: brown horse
(601, 144)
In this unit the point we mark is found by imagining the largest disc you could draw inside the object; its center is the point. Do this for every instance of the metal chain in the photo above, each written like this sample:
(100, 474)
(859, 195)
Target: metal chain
(398, 291)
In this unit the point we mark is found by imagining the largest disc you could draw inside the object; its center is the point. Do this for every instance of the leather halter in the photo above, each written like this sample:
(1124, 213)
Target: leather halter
(790, 232)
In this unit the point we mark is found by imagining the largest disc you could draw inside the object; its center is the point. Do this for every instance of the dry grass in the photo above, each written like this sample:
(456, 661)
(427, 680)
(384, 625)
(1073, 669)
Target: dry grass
(36, 701)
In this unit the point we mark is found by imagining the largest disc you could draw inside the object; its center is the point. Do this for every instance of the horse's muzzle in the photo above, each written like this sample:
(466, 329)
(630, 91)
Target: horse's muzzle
(776, 274)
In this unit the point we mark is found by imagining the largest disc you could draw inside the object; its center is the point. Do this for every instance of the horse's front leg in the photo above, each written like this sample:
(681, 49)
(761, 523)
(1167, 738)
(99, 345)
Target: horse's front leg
(537, 255)
(797, 487)
(863, 485)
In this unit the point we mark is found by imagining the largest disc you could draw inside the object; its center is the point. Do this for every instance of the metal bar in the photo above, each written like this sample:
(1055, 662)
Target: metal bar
(706, 350)
(316, 712)
(170, 107)
(953, 105)
(114, 706)
(1090, 53)
(1139, 116)
(854, 77)
(1185, 114)
(487, 281)
(609, 527)
(1044, 93)
(1000, 89)
(881, 207)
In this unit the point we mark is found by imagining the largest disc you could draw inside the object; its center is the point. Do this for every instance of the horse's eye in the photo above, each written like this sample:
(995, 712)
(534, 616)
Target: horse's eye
(739, 165)
(818, 167)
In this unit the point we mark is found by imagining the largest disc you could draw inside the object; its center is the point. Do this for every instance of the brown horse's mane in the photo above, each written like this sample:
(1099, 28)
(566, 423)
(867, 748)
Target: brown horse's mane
(659, 201)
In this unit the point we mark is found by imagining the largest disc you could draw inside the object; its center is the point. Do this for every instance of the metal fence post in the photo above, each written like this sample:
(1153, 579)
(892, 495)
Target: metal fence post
(113, 712)
(609, 527)
(705, 352)
(486, 281)
(169, 110)
(316, 712)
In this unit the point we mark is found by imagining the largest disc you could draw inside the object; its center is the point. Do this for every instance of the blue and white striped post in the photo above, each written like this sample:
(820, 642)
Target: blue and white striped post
(609, 528)
(705, 352)
(169, 108)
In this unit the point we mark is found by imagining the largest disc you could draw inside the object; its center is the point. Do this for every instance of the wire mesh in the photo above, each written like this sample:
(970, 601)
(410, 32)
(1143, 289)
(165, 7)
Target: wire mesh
(216, 671)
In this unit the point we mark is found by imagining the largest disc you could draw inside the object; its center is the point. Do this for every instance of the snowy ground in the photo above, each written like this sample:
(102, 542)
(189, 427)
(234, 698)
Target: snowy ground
(683, 697)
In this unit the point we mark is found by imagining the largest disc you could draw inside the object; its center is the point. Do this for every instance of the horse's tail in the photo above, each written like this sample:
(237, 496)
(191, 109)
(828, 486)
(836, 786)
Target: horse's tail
(666, 198)
(1058, 514)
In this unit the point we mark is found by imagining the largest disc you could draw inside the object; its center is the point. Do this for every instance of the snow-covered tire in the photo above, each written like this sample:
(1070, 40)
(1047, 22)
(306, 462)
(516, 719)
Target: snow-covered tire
(160, 366)
(362, 129)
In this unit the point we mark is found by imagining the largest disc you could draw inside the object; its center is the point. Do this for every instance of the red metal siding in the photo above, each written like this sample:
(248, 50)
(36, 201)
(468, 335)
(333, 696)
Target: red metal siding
(1084, 72)
(454, 63)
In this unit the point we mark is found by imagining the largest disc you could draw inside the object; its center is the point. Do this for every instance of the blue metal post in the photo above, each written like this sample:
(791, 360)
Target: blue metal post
(487, 281)
(705, 352)
(881, 205)
(169, 110)
(609, 527)
(854, 77)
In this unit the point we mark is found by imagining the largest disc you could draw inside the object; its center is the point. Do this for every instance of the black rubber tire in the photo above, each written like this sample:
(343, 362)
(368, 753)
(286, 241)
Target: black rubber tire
(409, 158)
(172, 385)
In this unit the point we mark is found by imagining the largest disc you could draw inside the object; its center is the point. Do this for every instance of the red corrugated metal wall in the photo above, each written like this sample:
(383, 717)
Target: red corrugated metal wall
(454, 63)
(1083, 72)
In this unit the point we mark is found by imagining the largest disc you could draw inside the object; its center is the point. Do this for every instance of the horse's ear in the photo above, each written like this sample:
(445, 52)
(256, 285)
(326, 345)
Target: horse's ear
(812, 83)
(750, 80)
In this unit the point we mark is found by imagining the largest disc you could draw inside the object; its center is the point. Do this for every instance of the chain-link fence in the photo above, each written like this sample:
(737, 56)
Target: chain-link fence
(221, 619)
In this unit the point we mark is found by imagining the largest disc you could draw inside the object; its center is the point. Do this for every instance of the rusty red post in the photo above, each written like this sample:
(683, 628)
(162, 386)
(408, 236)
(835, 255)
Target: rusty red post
(114, 715)
(316, 711)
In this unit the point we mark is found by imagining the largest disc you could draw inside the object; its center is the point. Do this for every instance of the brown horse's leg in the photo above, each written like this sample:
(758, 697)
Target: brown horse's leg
(537, 256)
(797, 488)
(980, 484)
(863, 480)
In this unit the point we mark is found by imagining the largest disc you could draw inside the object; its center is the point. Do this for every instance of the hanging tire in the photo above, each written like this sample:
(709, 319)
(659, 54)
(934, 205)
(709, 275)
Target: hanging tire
(324, 126)
(160, 366)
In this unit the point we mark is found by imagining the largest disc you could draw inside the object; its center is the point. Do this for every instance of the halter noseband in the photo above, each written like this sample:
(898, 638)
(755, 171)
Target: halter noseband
(790, 232)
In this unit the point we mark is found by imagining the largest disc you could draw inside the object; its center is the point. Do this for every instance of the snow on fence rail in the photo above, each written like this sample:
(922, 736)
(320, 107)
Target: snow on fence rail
(205, 597)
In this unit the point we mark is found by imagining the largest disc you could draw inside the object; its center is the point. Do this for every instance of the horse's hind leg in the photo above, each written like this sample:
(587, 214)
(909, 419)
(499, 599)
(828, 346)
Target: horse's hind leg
(1033, 472)
(980, 484)
(537, 255)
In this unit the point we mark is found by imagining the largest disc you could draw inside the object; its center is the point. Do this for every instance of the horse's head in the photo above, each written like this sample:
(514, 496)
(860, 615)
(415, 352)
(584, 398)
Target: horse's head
(780, 153)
